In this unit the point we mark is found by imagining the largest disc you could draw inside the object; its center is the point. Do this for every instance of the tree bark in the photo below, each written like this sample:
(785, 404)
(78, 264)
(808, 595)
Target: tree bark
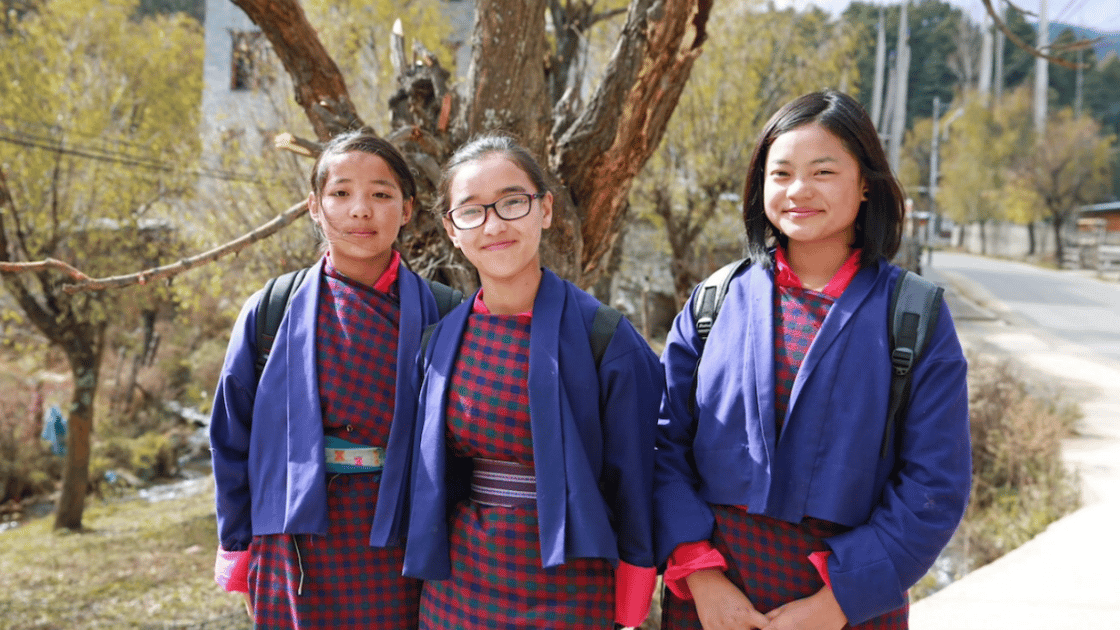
(84, 353)
(506, 78)
(319, 86)
(599, 156)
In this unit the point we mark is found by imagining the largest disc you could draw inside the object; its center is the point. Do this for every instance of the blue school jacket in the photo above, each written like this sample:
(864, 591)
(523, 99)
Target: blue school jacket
(272, 479)
(903, 508)
(593, 435)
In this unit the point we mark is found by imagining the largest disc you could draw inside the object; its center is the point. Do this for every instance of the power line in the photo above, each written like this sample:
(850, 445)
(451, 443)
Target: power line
(24, 139)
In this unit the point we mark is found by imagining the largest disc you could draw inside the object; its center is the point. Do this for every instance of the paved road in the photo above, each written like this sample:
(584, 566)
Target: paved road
(1073, 306)
(1064, 327)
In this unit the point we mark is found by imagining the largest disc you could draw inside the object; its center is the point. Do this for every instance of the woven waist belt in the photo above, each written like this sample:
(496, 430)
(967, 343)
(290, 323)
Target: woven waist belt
(501, 483)
(348, 457)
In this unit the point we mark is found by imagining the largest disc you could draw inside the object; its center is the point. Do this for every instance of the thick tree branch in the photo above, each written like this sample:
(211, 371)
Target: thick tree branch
(319, 86)
(605, 148)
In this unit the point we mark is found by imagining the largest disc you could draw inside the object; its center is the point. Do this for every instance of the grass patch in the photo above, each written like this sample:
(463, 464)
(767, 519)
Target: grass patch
(138, 564)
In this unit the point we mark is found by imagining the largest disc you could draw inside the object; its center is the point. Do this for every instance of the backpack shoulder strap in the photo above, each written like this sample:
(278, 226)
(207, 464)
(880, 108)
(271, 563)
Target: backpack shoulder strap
(709, 298)
(274, 302)
(447, 298)
(705, 307)
(602, 331)
(914, 309)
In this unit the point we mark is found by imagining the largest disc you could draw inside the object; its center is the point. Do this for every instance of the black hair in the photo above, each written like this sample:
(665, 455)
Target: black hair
(479, 147)
(879, 223)
(365, 142)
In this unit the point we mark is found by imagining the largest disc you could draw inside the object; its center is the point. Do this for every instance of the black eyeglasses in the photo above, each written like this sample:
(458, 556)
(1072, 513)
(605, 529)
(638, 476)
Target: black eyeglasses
(508, 208)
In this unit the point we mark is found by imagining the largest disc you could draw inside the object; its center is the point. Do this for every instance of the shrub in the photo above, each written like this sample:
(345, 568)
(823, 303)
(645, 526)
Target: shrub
(1019, 482)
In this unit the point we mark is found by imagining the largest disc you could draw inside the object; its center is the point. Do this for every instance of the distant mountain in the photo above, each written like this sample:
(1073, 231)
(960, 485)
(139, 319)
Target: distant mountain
(1110, 42)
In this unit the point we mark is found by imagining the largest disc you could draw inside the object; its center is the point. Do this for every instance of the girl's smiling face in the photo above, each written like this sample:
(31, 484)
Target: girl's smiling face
(501, 250)
(813, 187)
(361, 210)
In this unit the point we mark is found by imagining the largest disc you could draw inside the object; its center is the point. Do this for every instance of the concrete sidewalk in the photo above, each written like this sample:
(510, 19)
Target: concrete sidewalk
(1063, 578)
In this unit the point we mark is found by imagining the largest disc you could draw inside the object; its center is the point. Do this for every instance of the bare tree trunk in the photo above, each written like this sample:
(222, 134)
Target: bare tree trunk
(511, 95)
(1059, 246)
(84, 356)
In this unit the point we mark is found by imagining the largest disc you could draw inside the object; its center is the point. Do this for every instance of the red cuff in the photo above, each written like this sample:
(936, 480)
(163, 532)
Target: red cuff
(820, 561)
(231, 570)
(687, 559)
(633, 592)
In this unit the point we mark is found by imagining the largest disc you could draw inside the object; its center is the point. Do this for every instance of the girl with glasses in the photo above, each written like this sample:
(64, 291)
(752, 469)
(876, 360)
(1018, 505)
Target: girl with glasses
(299, 450)
(783, 499)
(532, 481)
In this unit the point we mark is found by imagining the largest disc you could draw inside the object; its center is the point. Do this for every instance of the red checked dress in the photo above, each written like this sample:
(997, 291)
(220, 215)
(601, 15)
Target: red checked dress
(338, 580)
(497, 580)
(767, 558)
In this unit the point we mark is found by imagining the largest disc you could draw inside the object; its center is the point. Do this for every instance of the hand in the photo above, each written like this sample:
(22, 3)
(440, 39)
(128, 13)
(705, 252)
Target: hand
(819, 611)
(249, 608)
(720, 604)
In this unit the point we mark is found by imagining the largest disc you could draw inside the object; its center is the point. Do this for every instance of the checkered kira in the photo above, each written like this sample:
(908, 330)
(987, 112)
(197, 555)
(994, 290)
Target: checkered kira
(496, 576)
(769, 561)
(798, 315)
(338, 580)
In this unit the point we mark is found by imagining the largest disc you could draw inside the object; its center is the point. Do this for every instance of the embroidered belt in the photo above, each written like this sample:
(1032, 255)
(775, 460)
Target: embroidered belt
(348, 457)
(502, 483)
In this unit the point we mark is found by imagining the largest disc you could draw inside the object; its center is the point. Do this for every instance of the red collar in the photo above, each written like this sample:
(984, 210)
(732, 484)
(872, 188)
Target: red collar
(785, 277)
(387, 278)
(480, 307)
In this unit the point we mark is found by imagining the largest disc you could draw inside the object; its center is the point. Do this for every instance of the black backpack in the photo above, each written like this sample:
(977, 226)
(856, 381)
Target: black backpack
(277, 295)
(915, 306)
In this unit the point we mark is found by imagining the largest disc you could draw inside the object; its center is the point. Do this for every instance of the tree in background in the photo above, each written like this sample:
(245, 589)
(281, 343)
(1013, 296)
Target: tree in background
(1102, 99)
(694, 181)
(935, 31)
(265, 181)
(973, 160)
(1068, 167)
(98, 119)
(596, 136)
(994, 167)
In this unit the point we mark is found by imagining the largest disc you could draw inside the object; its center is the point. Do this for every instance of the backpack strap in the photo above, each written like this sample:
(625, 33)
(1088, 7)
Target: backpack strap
(705, 306)
(709, 298)
(274, 302)
(915, 307)
(447, 298)
(602, 331)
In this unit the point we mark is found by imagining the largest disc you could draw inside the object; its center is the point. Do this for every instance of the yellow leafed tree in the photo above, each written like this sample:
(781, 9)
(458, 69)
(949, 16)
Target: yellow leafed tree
(98, 121)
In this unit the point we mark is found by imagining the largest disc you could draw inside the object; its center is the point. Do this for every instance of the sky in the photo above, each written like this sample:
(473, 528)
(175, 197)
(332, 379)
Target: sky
(1103, 15)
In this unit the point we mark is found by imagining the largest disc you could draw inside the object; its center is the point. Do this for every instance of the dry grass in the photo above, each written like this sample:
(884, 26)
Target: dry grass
(1019, 483)
(139, 564)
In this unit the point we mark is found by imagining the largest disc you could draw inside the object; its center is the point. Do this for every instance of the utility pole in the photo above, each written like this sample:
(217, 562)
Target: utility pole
(898, 121)
(1041, 72)
(985, 87)
(880, 64)
(934, 157)
(998, 78)
(1079, 84)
